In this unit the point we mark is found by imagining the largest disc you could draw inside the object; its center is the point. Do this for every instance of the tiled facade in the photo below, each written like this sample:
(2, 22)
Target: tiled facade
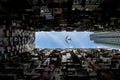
(14, 41)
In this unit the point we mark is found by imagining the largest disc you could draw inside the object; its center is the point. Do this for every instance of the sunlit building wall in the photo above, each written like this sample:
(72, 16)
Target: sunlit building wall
(106, 37)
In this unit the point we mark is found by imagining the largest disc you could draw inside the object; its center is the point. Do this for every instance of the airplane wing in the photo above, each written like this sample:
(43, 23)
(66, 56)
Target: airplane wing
(66, 39)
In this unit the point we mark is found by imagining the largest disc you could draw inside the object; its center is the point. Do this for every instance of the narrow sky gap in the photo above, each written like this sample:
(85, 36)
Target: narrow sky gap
(57, 40)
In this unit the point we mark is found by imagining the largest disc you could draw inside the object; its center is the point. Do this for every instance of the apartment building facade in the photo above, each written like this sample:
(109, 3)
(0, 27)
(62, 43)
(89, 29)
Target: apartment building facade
(106, 37)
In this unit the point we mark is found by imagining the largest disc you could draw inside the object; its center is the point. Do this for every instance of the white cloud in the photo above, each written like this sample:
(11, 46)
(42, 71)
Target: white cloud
(98, 46)
(71, 47)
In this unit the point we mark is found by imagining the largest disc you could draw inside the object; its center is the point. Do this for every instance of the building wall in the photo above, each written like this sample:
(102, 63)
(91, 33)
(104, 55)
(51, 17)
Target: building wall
(106, 37)
(13, 41)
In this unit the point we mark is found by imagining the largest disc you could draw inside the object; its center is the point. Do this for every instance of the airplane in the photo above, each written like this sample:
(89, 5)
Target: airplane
(67, 39)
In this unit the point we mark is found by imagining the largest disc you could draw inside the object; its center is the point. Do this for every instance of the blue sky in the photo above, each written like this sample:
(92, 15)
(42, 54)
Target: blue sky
(57, 40)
